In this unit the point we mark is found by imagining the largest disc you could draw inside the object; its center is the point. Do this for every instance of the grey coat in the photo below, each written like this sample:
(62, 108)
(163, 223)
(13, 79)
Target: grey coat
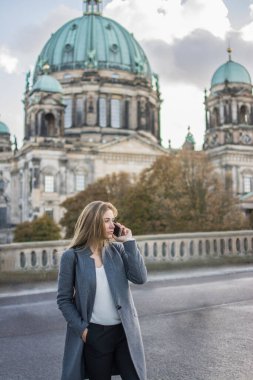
(122, 262)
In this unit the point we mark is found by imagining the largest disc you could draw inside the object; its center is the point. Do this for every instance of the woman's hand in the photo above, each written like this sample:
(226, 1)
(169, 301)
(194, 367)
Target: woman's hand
(126, 234)
(84, 335)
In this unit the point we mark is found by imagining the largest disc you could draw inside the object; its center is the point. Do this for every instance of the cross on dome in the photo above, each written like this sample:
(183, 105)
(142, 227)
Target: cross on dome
(92, 7)
(229, 50)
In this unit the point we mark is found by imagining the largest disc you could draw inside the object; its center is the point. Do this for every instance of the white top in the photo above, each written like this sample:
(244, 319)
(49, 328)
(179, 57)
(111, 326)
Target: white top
(104, 311)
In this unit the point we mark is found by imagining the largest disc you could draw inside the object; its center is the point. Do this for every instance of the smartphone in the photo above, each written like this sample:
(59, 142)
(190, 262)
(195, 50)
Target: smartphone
(117, 230)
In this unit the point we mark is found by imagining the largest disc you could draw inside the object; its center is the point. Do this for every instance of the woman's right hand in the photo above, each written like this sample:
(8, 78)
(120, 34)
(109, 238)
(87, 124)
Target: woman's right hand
(84, 335)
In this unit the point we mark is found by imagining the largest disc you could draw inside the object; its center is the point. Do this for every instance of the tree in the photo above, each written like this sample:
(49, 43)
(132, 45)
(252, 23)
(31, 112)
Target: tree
(185, 194)
(180, 192)
(23, 232)
(41, 229)
(111, 188)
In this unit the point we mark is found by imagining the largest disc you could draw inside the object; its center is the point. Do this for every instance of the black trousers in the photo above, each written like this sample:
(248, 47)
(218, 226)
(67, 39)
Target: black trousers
(106, 345)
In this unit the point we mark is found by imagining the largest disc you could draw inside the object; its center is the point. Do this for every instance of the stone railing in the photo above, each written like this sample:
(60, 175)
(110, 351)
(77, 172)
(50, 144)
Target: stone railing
(45, 256)
(195, 246)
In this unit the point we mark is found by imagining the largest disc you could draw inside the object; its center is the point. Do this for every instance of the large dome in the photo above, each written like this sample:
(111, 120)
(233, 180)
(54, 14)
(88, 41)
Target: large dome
(232, 72)
(93, 41)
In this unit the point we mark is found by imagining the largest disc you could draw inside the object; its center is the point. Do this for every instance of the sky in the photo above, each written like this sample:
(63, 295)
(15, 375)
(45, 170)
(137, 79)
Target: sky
(184, 40)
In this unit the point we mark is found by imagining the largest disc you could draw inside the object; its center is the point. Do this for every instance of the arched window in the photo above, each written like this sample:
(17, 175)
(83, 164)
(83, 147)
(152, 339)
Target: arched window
(80, 182)
(3, 217)
(126, 114)
(115, 113)
(216, 117)
(79, 112)
(152, 117)
(49, 184)
(49, 125)
(102, 112)
(68, 113)
(41, 125)
(247, 183)
(243, 116)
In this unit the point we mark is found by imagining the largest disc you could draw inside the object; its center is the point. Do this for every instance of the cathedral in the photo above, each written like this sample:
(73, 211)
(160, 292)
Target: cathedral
(92, 107)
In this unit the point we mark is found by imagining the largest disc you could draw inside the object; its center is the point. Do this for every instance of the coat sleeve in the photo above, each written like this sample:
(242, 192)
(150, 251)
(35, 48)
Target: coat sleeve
(133, 261)
(66, 279)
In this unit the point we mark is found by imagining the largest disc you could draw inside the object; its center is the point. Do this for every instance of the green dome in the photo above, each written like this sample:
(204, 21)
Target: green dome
(3, 128)
(231, 72)
(93, 41)
(47, 83)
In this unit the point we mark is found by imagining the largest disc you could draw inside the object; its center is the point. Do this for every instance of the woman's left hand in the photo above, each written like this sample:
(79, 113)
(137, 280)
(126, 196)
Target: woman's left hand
(126, 234)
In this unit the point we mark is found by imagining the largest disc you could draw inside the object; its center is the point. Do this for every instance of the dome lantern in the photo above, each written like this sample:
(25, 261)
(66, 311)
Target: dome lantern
(92, 7)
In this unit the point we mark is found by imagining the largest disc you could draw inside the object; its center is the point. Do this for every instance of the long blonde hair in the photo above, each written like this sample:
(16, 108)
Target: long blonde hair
(90, 229)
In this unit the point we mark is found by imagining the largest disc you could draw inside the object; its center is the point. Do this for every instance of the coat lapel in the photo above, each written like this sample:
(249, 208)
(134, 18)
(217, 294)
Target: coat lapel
(86, 277)
(107, 256)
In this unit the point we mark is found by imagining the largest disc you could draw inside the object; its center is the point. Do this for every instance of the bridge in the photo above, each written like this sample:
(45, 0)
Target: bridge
(40, 260)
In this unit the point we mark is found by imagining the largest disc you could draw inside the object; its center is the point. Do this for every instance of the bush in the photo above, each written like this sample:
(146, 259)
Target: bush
(41, 229)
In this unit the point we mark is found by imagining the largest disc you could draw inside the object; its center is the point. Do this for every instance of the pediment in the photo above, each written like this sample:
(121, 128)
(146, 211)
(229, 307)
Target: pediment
(132, 145)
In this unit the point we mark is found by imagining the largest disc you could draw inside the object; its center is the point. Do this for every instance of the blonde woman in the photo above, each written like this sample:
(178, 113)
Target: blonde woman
(103, 334)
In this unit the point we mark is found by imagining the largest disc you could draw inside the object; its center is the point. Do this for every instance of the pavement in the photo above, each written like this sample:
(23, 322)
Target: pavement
(14, 290)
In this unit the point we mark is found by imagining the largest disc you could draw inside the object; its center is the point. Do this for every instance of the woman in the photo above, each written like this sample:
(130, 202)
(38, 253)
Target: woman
(103, 333)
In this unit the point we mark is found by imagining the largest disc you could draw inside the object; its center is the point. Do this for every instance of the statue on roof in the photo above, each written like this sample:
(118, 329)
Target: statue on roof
(139, 65)
(91, 62)
(189, 143)
(27, 80)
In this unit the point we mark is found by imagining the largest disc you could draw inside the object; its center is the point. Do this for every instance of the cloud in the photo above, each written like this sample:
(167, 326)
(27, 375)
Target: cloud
(182, 107)
(189, 60)
(168, 20)
(7, 61)
(247, 31)
(30, 39)
(185, 42)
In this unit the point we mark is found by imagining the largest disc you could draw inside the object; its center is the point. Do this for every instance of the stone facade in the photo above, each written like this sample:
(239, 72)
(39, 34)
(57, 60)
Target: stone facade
(5, 184)
(47, 171)
(229, 128)
(91, 109)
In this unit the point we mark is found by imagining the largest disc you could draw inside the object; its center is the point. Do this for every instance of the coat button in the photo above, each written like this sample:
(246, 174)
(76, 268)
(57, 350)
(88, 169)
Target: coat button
(118, 307)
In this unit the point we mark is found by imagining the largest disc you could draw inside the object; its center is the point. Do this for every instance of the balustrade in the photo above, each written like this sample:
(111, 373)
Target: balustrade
(45, 256)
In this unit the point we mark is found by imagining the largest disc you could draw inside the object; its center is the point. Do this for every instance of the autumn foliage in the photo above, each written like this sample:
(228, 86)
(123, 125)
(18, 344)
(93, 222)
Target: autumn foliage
(180, 192)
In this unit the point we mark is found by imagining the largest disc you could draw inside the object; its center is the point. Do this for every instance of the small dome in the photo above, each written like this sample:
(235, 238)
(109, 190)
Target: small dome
(96, 42)
(4, 129)
(47, 83)
(231, 72)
